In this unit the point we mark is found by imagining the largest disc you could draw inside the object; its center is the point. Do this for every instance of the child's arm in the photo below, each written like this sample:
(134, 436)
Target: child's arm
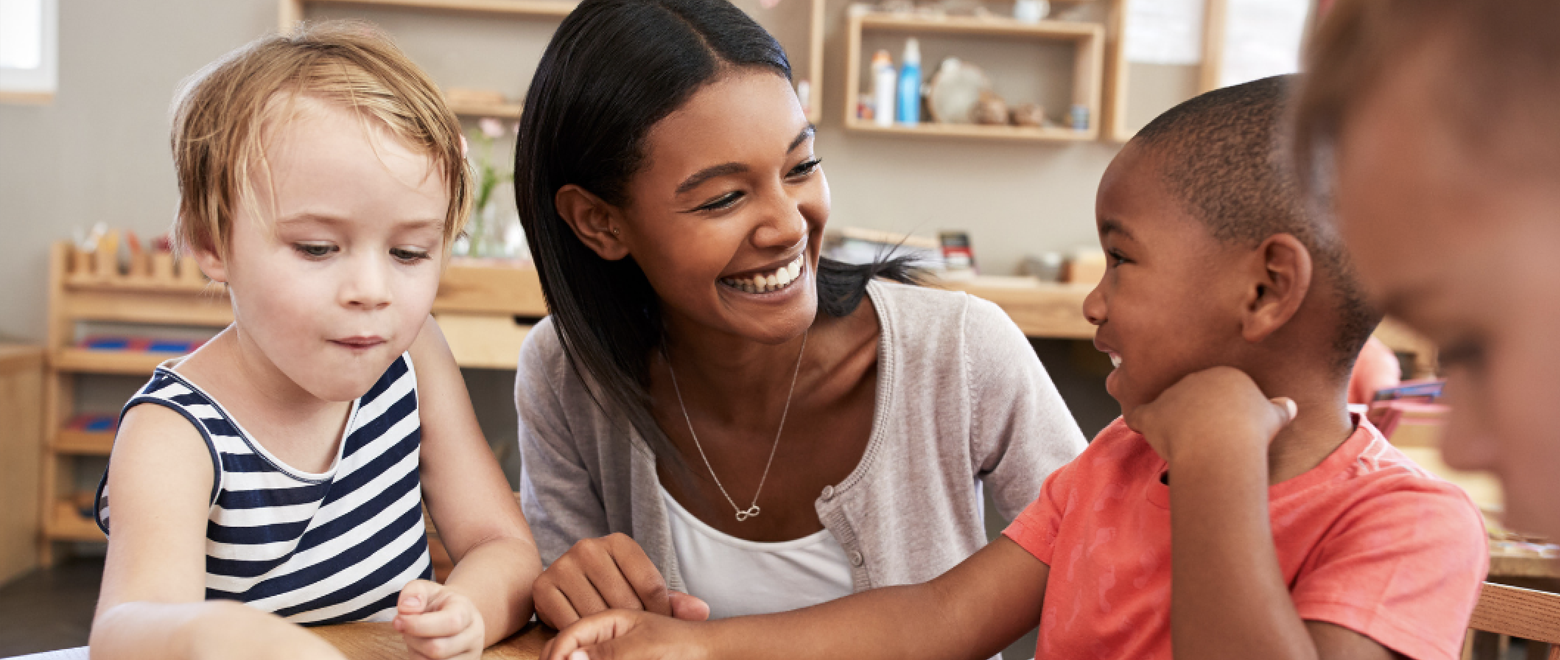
(1228, 595)
(972, 611)
(152, 601)
(488, 595)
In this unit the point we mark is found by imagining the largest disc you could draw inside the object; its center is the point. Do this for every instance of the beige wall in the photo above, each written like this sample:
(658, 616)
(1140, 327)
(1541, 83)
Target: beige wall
(99, 152)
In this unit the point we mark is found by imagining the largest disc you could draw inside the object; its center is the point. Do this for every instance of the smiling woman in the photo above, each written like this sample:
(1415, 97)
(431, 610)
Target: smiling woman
(712, 407)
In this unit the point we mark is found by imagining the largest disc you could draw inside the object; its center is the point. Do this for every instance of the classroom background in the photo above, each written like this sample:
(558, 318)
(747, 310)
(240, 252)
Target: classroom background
(994, 186)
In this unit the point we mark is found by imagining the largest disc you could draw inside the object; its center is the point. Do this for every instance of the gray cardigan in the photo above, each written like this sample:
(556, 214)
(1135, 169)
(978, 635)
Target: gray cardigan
(961, 399)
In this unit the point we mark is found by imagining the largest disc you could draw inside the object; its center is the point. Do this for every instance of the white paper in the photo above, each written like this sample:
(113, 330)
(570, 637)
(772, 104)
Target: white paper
(1261, 39)
(1164, 31)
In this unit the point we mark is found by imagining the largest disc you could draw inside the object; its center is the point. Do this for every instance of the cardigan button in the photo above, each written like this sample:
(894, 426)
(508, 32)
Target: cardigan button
(855, 558)
(828, 493)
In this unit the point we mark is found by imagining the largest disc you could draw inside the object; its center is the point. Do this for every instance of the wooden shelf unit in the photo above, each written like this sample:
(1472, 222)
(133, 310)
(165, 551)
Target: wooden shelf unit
(85, 295)
(291, 12)
(485, 308)
(1088, 41)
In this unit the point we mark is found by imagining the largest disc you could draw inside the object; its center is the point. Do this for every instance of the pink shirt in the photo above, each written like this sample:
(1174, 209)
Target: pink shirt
(1366, 540)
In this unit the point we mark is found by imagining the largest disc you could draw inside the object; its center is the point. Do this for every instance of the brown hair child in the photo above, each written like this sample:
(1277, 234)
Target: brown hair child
(1431, 125)
(1298, 532)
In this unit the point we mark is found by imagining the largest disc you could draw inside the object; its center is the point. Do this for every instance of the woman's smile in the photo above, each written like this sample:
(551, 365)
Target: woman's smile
(769, 280)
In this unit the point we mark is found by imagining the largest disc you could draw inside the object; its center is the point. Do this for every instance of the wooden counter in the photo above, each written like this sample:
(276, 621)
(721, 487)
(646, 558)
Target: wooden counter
(379, 641)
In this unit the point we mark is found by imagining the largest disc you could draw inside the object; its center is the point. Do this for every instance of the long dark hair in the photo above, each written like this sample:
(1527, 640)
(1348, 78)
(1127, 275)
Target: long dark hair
(612, 70)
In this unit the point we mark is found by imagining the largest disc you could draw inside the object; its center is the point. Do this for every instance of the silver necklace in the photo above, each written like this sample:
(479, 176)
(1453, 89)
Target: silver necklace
(752, 510)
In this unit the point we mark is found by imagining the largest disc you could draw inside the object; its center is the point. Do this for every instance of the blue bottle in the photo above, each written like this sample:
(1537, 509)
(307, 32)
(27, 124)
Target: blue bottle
(908, 106)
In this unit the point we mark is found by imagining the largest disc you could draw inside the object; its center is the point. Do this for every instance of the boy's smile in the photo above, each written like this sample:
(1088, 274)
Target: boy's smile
(336, 274)
(1162, 309)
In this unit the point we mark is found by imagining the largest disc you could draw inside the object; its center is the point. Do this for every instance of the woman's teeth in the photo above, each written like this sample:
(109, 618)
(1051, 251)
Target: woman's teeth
(779, 279)
(1115, 360)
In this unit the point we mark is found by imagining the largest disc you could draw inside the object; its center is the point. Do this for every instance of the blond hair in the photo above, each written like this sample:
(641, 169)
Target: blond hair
(1497, 86)
(223, 113)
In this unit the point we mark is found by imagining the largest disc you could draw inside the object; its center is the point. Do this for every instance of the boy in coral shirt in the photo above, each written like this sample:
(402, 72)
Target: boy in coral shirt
(1298, 532)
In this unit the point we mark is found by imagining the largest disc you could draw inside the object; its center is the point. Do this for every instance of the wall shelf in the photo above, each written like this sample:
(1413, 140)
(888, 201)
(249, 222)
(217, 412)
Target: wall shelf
(1087, 41)
(83, 443)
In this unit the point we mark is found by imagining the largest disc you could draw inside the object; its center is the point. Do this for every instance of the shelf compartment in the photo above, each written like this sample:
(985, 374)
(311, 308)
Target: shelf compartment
(129, 363)
(83, 443)
(499, 110)
(67, 524)
(1088, 52)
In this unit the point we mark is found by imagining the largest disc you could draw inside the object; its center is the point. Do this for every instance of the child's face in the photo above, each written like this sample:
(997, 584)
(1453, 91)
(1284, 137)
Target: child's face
(731, 190)
(1164, 308)
(336, 275)
(1464, 249)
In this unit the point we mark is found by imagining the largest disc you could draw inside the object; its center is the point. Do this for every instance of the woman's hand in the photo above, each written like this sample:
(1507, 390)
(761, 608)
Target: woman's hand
(437, 623)
(625, 634)
(611, 572)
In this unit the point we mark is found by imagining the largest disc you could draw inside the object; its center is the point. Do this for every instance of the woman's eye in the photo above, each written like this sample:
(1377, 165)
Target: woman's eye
(408, 255)
(723, 202)
(314, 250)
(807, 167)
(1116, 257)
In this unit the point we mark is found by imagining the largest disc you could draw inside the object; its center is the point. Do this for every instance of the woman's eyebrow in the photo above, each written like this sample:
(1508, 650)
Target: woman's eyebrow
(724, 169)
(801, 137)
(709, 173)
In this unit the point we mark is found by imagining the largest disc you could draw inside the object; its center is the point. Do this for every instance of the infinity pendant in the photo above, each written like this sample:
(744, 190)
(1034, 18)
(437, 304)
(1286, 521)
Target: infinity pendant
(749, 513)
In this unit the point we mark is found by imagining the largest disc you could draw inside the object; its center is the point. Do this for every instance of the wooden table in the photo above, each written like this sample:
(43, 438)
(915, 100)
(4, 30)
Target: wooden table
(373, 641)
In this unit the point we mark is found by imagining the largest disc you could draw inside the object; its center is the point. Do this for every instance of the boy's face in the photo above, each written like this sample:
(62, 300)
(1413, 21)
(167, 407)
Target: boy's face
(335, 277)
(1464, 248)
(1166, 306)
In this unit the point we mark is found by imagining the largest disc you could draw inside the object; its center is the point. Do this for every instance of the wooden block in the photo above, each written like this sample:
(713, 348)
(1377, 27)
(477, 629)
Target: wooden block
(162, 267)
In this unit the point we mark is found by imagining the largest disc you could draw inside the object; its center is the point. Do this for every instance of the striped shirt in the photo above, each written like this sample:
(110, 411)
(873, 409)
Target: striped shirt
(315, 549)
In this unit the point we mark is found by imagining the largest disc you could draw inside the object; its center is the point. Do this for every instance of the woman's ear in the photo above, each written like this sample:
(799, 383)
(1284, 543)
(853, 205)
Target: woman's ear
(597, 223)
(1283, 282)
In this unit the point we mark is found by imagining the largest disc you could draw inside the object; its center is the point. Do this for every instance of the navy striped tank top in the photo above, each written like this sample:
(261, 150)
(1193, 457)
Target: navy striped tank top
(315, 549)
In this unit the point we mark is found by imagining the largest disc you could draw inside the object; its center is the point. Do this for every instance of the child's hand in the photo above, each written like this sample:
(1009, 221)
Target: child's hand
(624, 635)
(438, 623)
(1212, 407)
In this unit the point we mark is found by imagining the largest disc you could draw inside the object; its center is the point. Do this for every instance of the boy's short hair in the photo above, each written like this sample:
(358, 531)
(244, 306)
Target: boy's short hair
(1498, 85)
(224, 113)
(1225, 158)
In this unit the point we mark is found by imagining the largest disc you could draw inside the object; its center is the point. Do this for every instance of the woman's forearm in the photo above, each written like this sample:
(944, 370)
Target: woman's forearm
(496, 576)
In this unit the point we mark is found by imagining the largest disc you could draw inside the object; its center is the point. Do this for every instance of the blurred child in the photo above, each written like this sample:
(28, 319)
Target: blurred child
(1431, 125)
(1232, 318)
(282, 465)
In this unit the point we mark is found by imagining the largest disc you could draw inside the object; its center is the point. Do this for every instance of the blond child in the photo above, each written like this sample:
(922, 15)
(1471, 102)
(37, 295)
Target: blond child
(1431, 123)
(285, 463)
(1238, 510)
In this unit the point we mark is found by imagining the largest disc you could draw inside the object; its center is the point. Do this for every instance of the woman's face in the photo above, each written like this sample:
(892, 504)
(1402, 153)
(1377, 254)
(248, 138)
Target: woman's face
(726, 217)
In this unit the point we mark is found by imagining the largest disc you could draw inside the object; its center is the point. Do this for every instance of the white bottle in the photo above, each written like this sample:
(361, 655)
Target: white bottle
(883, 81)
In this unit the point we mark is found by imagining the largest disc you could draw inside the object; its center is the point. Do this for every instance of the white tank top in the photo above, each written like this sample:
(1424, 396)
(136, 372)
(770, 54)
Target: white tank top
(739, 577)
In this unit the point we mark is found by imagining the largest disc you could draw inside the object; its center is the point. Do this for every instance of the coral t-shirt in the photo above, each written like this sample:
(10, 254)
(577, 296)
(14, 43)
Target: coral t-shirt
(1367, 540)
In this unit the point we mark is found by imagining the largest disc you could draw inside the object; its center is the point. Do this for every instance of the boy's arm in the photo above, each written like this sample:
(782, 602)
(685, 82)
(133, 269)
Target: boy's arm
(1228, 595)
(972, 611)
(472, 506)
(152, 600)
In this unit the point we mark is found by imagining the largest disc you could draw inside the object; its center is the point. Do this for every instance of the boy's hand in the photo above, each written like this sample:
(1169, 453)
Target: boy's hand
(438, 623)
(1211, 407)
(625, 635)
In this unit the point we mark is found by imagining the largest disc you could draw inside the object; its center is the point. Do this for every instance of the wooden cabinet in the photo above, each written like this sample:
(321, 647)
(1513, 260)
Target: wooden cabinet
(21, 430)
